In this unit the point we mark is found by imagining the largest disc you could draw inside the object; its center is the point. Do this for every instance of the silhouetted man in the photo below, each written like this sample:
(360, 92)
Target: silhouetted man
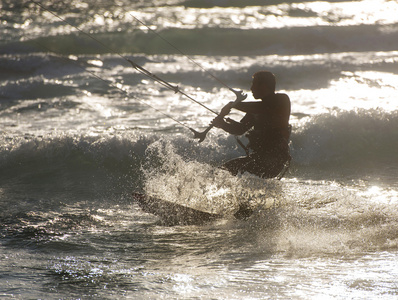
(267, 128)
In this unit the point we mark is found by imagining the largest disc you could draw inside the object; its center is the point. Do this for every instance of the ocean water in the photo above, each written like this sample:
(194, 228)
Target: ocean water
(81, 130)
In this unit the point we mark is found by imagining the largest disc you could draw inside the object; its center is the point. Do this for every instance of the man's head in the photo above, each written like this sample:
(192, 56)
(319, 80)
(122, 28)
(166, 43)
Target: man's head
(263, 84)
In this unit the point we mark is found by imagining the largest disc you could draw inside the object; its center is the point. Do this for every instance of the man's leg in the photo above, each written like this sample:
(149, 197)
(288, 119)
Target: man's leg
(236, 165)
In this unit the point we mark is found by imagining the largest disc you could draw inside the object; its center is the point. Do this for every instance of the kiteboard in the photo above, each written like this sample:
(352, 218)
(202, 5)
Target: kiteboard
(172, 213)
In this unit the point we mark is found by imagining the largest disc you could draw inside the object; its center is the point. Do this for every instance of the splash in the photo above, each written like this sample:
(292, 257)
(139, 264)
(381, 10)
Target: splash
(203, 186)
(324, 217)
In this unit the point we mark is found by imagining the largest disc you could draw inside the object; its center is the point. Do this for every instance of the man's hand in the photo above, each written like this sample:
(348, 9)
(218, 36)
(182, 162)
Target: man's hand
(226, 109)
(218, 122)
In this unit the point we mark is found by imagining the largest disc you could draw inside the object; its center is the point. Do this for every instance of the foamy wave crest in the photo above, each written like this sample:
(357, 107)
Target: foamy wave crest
(212, 41)
(347, 138)
(68, 165)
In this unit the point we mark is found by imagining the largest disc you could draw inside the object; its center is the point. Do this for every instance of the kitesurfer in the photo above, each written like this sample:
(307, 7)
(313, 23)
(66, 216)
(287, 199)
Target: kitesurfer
(267, 128)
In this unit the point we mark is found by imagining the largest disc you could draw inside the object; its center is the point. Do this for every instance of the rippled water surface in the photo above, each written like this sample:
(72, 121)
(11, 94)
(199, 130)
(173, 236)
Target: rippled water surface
(81, 130)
